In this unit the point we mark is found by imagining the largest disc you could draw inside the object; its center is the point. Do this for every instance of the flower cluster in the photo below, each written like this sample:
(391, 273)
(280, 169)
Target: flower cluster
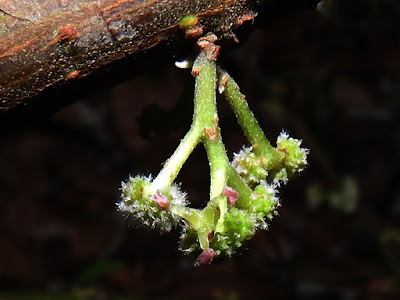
(250, 211)
(151, 208)
(243, 193)
(295, 157)
(254, 168)
(249, 166)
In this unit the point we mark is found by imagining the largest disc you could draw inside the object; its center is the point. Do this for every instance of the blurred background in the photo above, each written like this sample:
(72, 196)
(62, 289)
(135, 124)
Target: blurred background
(328, 75)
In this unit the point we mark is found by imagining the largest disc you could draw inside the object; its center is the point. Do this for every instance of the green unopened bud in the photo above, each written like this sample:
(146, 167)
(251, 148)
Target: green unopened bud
(239, 226)
(249, 166)
(264, 203)
(295, 157)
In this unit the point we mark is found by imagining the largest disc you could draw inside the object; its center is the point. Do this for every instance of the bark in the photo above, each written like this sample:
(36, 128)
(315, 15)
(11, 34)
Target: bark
(47, 43)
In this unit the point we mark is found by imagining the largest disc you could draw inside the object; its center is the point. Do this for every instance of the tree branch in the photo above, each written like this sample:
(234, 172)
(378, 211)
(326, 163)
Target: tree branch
(46, 43)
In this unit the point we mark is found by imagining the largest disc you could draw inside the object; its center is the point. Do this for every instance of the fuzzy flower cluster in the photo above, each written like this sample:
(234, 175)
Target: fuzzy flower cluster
(255, 168)
(295, 157)
(148, 207)
(243, 193)
(249, 166)
(239, 223)
(238, 228)
(245, 215)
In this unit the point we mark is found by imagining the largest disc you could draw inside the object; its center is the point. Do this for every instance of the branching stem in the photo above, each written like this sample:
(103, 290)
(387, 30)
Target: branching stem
(240, 197)
(203, 116)
(248, 123)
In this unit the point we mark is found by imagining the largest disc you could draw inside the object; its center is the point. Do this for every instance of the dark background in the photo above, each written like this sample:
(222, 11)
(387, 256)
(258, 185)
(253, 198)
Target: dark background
(328, 76)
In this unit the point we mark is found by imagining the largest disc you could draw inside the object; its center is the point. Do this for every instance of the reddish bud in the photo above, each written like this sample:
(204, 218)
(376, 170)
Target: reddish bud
(211, 50)
(231, 194)
(162, 201)
(211, 133)
(194, 32)
(72, 75)
(66, 34)
(205, 258)
(195, 72)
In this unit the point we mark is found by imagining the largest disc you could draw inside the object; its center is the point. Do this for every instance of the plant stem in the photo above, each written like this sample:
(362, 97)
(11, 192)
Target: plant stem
(206, 120)
(205, 112)
(204, 128)
(249, 124)
(206, 107)
(174, 164)
(219, 163)
(204, 116)
(236, 182)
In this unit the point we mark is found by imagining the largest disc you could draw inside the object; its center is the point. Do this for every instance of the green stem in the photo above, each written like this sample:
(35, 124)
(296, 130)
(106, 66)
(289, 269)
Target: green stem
(203, 116)
(205, 129)
(236, 182)
(174, 164)
(203, 221)
(205, 112)
(219, 163)
(206, 117)
(206, 106)
(249, 124)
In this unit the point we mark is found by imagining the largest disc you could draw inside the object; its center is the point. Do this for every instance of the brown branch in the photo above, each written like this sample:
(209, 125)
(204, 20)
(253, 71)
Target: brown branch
(46, 43)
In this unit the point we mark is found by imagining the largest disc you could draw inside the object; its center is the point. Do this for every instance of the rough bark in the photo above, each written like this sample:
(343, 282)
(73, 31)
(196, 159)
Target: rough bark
(46, 43)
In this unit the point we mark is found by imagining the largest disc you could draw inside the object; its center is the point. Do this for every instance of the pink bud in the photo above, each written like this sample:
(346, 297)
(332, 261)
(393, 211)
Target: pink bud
(205, 258)
(162, 201)
(231, 194)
